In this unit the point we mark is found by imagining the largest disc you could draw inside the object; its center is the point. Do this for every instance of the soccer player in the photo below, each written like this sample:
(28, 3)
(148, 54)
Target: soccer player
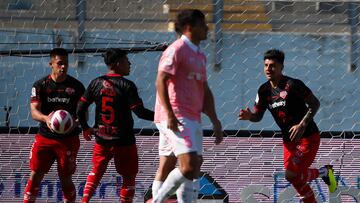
(293, 106)
(53, 92)
(166, 163)
(115, 97)
(182, 94)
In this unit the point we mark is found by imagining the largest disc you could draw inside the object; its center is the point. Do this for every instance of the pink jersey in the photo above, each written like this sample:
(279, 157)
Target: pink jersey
(187, 66)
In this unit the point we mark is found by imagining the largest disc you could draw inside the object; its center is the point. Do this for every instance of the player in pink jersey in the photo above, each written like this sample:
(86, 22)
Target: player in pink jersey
(182, 94)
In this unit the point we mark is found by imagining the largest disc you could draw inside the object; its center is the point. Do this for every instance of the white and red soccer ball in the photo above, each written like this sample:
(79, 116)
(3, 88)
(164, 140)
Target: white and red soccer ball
(61, 122)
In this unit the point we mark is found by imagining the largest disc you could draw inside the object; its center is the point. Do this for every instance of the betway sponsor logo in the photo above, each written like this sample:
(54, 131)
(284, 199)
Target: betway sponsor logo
(59, 99)
(277, 104)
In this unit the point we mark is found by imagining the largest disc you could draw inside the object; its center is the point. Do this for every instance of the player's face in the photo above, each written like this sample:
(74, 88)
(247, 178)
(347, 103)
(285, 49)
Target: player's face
(272, 69)
(124, 66)
(59, 65)
(200, 30)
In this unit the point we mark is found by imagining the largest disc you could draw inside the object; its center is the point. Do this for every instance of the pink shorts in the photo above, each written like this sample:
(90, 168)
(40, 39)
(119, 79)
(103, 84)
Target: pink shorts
(189, 139)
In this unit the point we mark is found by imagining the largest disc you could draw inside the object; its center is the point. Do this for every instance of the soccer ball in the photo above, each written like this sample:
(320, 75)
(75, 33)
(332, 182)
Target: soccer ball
(61, 122)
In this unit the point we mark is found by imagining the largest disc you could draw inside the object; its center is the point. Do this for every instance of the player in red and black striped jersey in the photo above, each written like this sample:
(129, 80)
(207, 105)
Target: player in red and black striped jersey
(115, 97)
(51, 93)
(293, 106)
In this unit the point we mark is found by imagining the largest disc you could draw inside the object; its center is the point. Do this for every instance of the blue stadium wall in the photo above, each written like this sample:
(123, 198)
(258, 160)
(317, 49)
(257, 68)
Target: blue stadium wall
(321, 61)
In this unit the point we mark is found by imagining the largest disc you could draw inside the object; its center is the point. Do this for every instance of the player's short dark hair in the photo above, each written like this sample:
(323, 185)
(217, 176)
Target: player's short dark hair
(276, 54)
(113, 55)
(188, 17)
(178, 29)
(58, 52)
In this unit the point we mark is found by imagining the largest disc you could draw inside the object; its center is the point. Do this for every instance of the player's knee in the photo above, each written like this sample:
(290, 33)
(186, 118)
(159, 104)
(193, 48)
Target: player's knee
(188, 171)
(36, 176)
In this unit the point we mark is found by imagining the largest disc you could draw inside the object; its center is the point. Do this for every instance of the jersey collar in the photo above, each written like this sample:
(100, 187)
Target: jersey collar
(114, 75)
(190, 44)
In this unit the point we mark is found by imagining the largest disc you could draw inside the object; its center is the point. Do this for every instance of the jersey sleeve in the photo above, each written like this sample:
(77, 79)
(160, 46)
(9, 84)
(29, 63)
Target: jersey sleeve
(260, 101)
(35, 93)
(169, 61)
(133, 96)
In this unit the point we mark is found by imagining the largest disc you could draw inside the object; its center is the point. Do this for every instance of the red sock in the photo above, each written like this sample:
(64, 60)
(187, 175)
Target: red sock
(31, 191)
(127, 190)
(312, 174)
(92, 182)
(69, 193)
(303, 189)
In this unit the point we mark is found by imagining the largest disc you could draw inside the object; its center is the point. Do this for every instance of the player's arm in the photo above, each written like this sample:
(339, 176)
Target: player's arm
(313, 106)
(247, 114)
(162, 89)
(36, 114)
(143, 112)
(82, 114)
(209, 110)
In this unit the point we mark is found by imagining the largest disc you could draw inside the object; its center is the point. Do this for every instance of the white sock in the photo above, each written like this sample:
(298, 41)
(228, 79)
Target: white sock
(172, 182)
(196, 189)
(155, 187)
(184, 193)
(323, 171)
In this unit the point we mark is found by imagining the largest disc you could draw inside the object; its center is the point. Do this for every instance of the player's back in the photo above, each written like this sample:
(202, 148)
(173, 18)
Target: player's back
(114, 97)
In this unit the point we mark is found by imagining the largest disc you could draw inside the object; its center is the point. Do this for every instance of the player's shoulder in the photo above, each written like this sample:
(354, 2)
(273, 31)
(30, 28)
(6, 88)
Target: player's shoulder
(293, 81)
(176, 46)
(265, 86)
(128, 82)
(42, 81)
(75, 81)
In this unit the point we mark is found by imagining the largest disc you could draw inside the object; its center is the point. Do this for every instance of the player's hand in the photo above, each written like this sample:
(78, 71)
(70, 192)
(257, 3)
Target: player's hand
(88, 134)
(296, 132)
(218, 133)
(173, 123)
(48, 120)
(245, 114)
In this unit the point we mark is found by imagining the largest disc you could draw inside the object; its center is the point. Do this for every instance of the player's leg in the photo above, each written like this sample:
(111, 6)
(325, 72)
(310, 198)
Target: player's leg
(184, 174)
(185, 189)
(181, 192)
(297, 159)
(41, 159)
(33, 186)
(100, 160)
(166, 165)
(126, 163)
(183, 145)
(167, 162)
(67, 151)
